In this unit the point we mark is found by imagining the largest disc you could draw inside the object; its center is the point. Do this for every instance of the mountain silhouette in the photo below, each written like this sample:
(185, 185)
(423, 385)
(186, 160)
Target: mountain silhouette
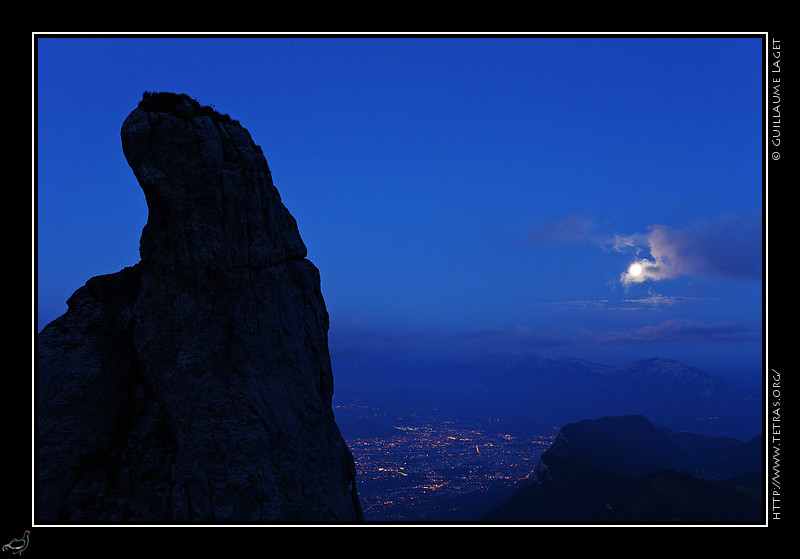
(534, 390)
(627, 470)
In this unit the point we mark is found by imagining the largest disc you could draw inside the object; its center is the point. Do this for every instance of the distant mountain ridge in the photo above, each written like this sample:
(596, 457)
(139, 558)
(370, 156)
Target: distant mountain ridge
(625, 469)
(531, 389)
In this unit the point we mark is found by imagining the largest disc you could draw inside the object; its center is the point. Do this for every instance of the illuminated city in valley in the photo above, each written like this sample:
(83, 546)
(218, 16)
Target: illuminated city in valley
(426, 467)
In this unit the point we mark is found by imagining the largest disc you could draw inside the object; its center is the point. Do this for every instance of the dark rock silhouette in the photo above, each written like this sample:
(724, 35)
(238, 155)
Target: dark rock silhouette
(196, 385)
(627, 470)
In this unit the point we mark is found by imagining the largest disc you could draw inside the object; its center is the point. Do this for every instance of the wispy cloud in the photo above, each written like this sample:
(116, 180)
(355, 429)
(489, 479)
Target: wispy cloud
(399, 343)
(577, 304)
(571, 228)
(681, 331)
(653, 301)
(668, 331)
(515, 336)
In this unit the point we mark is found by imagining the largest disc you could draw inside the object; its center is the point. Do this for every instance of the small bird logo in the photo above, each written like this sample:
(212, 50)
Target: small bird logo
(17, 546)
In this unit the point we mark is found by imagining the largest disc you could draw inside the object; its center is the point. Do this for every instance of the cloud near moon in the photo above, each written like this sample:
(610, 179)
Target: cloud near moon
(643, 270)
(729, 248)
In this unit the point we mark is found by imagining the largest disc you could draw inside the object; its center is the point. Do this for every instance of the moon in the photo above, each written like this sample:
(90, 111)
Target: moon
(635, 269)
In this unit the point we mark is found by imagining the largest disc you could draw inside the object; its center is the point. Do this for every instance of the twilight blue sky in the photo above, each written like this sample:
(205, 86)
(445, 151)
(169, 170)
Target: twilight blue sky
(459, 195)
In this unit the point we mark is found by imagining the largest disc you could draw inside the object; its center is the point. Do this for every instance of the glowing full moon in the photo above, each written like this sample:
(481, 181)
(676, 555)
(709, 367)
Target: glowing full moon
(635, 270)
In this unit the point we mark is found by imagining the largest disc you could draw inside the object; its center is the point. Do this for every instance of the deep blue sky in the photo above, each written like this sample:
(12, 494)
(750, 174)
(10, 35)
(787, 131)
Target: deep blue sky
(458, 195)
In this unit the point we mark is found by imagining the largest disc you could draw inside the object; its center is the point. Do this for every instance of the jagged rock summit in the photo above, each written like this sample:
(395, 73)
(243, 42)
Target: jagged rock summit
(195, 385)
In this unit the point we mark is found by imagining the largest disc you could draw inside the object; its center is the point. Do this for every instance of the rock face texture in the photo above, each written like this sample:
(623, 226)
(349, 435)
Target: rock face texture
(196, 385)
